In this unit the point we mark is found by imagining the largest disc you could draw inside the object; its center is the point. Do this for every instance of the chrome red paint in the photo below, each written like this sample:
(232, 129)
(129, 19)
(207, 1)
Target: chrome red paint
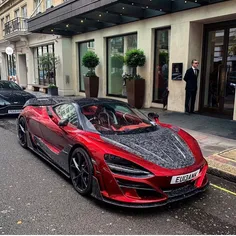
(56, 138)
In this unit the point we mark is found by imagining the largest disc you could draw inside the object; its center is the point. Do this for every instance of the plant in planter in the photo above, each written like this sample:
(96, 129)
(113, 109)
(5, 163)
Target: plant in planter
(48, 63)
(117, 62)
(52, 90)
(135, 84)
(91, 81)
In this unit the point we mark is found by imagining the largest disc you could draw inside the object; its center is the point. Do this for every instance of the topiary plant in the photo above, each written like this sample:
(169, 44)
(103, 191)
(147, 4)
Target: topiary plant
(90, 60)
(133, 59)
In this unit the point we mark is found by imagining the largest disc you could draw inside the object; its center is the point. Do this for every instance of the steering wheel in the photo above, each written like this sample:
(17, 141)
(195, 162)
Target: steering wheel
(126, 119)
(93, 119)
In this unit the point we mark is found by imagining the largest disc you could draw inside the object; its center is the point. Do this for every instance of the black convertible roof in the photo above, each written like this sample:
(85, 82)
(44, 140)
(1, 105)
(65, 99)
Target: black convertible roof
(50, 101)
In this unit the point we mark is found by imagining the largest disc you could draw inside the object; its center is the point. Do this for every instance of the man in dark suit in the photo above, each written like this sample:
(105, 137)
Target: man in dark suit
(190, 77)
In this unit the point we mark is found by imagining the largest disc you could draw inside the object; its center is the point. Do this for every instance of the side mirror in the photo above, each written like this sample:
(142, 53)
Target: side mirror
(153, 116)
(63, 122)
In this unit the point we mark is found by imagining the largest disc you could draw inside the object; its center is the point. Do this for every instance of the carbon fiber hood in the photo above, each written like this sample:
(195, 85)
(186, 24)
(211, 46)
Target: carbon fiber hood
(162, 147)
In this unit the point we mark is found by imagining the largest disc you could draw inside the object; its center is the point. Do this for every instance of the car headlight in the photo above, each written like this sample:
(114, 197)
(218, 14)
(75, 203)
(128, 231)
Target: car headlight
(122, 166)
(4, 102)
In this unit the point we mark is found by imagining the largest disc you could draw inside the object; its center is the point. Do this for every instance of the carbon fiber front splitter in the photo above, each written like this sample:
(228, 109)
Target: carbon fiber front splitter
(96, 193)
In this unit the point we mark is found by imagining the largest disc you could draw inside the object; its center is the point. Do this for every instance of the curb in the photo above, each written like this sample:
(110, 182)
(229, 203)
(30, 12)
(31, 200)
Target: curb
(221, 174)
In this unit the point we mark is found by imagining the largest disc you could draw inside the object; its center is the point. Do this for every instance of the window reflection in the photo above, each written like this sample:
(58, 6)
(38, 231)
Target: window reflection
(83, 48)
(117, 47)
(161, 64)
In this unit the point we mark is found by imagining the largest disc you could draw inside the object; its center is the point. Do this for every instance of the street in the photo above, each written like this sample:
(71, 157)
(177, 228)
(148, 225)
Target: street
(37, 199)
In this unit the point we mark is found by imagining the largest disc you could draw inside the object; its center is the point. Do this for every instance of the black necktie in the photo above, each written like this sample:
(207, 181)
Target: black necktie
(195, 72)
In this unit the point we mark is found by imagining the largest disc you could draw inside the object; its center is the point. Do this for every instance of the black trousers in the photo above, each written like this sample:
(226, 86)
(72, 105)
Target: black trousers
(190, 95)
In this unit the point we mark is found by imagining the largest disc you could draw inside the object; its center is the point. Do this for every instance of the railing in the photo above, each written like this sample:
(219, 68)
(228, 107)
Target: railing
(15, 25)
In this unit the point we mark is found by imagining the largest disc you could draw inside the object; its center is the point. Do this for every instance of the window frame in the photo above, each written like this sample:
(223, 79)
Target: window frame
(46, 4)
(37, 50)
(107, 63)
(15, 11)
(79, 61)
(8, 18)
(155, 60)
(78, 126)
(21, 13)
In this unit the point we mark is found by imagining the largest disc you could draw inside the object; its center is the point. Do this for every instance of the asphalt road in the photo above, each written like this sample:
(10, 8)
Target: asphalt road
(36, 199)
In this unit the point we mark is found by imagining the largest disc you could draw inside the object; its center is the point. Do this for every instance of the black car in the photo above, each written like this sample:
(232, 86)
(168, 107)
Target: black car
(12, 98)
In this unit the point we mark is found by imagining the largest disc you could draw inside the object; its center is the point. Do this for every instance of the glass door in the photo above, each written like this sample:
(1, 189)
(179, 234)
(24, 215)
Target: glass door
(220, 70)
(230, 82)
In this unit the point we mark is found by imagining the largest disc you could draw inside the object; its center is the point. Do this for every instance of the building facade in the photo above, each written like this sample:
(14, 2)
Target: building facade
(22, 66)
(171, 33)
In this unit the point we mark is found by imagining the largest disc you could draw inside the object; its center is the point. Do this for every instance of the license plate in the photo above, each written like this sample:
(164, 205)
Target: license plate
(183, 178)
(14, 111)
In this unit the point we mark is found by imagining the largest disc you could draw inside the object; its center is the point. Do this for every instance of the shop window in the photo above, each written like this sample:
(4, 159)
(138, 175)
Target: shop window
(161, 64)
(83, 48)
(117, 47)
(11, 67)
(44, 78)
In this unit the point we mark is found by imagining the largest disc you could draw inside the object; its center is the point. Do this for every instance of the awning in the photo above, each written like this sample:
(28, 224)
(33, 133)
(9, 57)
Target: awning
(81, 16)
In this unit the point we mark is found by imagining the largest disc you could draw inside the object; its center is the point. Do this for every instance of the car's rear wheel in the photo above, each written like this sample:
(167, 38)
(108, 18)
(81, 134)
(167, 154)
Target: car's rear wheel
(22, 132)
(81, 171)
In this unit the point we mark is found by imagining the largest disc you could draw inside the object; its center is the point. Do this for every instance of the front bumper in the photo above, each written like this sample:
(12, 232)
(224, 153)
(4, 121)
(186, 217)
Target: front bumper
(11, 109)
(173, 196)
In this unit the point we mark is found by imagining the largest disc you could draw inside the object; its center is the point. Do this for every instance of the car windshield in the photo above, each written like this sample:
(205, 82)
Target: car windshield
(116, 118)
(9, 85)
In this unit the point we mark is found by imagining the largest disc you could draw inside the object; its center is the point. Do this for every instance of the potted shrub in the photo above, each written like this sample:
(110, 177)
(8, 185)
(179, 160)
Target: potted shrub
(135, 84)
(52, 90)
(91, 81)
(117, 62)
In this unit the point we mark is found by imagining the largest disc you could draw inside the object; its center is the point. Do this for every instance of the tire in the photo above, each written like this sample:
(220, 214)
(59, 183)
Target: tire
(21, 131)
(81, 171)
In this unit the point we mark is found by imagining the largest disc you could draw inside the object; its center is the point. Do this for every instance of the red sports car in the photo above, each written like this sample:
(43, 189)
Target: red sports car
(113, 151)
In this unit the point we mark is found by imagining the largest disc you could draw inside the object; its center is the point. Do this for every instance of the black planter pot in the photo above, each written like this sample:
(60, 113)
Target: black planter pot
(136, 92)
(91, 85)
(53, 91)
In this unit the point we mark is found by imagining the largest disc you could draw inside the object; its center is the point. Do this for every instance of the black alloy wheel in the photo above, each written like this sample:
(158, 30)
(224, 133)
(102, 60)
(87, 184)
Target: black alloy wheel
(81, 171)
(22, 132)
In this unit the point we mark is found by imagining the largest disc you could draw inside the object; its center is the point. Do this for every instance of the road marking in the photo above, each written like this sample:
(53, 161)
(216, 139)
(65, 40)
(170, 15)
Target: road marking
(223, 189)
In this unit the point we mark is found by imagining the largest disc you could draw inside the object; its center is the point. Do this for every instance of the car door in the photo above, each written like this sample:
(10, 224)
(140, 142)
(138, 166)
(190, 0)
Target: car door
(58, 140)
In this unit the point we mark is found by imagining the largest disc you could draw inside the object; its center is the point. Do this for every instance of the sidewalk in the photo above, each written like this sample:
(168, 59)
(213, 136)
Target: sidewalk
(216, 137)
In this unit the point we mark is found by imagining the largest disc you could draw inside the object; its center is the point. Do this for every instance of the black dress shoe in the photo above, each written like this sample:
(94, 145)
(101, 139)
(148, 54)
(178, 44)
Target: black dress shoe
(193, 112)
(187, 113)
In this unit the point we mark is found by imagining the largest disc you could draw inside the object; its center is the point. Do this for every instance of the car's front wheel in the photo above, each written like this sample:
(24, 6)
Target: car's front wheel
(22, 132)
(81, 171)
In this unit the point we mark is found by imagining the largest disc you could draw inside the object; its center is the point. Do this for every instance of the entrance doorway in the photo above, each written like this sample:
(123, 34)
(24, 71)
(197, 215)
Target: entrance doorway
(22, 70)
(219, 70)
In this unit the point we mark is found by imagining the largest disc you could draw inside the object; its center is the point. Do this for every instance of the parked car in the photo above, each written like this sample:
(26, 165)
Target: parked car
(12, 97)
(113, 151)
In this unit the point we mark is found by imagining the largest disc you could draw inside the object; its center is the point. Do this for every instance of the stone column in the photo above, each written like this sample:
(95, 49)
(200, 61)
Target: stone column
(186, 44)
(64, 80)
(146, 43)
(100, 50)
